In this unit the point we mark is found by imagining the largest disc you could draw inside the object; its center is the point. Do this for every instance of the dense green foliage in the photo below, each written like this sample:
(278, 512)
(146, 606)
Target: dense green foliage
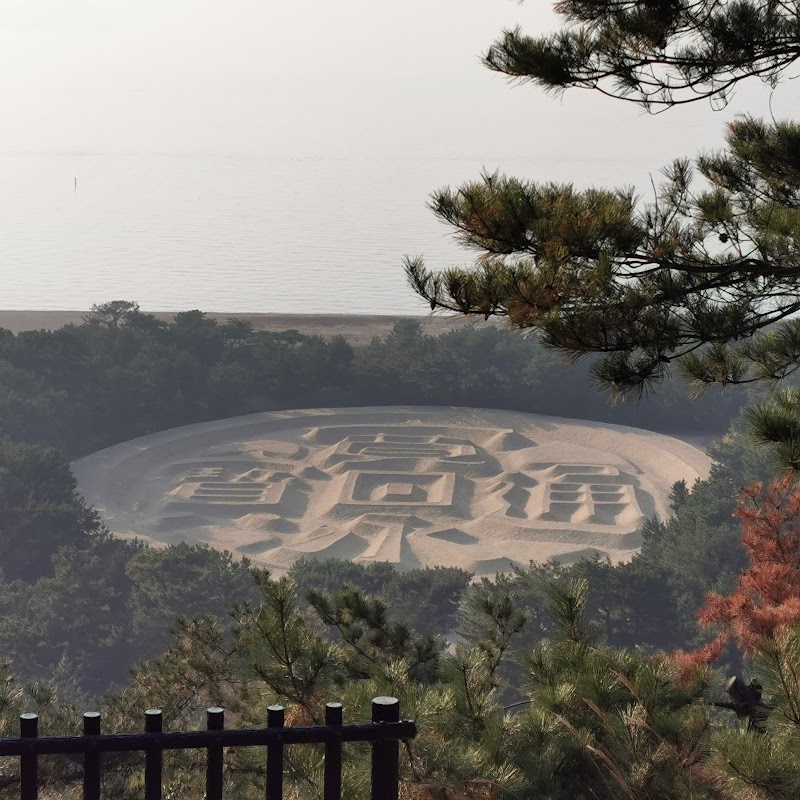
(85, 387)
(590, 721)
(549, 686)
(427, 599)
(40, 509)
(109, 604)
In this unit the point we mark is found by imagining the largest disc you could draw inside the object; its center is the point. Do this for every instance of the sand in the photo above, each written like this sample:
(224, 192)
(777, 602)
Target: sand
(479, 489)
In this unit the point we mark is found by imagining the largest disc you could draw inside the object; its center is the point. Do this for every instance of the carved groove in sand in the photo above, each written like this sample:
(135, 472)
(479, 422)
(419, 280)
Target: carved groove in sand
(402, 489)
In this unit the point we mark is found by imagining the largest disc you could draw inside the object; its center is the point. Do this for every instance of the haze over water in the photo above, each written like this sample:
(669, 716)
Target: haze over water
(278, 156)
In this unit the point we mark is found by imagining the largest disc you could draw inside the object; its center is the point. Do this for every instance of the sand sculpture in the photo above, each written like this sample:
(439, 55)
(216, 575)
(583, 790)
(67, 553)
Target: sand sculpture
(482, 490)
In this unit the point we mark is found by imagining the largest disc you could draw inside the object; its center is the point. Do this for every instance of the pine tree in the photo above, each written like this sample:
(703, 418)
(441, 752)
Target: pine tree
(762, 617)
(705, 275)
(766, 598)
(682, 279)
(624, 727)
(658, 53)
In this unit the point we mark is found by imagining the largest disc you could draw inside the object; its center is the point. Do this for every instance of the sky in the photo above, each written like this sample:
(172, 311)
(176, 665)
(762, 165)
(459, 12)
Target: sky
(311, 77)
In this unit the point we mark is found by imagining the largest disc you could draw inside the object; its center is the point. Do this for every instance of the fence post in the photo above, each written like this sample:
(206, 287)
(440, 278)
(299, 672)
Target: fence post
(152, 756)
(215, 721)
(91, 758)
(385, 755)
(333, 755)
(275, 719)
(385, 752)
(28, 764)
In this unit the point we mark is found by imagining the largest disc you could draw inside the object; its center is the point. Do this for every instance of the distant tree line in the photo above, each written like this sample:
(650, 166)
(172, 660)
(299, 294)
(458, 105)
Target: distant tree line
(124, 373)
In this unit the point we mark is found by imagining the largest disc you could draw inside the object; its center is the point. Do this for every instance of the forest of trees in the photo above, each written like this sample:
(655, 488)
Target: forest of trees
(79, 609)
(106, 603)
(124, 374)
(552, 681)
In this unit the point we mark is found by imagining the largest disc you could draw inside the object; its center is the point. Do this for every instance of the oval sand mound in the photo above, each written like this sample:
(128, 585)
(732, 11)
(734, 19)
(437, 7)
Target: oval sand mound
(473, 488)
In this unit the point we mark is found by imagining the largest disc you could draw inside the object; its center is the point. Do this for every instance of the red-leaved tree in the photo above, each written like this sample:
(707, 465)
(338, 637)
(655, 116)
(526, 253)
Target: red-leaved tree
(766, 598)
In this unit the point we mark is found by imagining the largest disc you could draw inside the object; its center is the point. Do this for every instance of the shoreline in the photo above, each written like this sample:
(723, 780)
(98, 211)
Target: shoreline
(358, 329)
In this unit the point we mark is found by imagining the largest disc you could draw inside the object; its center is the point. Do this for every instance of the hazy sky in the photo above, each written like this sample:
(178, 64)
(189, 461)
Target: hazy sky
(309, 77)
(356, 110)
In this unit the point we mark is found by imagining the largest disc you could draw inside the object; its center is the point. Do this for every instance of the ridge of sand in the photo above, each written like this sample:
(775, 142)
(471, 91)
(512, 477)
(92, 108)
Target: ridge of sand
(474, 488)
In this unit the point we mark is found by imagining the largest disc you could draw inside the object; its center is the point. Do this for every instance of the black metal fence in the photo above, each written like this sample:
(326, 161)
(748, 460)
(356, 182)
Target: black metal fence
(385, 732)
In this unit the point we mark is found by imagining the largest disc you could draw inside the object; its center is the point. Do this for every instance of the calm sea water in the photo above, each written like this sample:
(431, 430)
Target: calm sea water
(235, 233)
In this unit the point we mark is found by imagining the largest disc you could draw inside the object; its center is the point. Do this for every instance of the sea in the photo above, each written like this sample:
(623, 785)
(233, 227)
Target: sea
(240, 232)
(279, 157)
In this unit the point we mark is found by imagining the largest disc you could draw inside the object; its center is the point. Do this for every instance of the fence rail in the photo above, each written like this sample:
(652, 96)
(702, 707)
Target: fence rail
(385, 732)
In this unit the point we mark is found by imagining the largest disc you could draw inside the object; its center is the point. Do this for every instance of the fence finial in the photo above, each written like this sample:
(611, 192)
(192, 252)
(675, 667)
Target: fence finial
(385, 755)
